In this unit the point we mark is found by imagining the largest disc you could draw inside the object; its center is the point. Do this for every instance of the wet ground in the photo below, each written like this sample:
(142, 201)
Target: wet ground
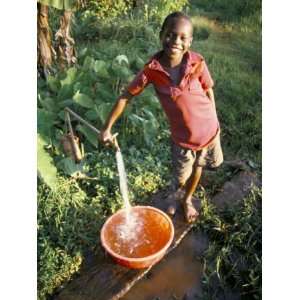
(178, 276)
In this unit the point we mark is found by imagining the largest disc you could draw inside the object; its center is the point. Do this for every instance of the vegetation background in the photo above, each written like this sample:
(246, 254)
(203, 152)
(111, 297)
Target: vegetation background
(113, 42)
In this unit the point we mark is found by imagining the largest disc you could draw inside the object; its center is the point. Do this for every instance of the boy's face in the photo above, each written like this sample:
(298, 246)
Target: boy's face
(177, 38)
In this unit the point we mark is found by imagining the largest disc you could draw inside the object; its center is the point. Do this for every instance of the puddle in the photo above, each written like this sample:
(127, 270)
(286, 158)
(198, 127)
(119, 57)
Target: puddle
(176, 277)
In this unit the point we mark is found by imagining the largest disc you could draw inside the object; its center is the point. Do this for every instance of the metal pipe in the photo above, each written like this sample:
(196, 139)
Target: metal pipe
(82, 120)
(114, 136)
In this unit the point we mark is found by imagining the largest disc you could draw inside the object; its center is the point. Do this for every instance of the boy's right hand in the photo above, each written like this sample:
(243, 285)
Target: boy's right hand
(105, 137)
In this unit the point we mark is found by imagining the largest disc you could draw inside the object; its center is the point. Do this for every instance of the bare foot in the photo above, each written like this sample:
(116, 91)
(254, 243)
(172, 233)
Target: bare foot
(190, 211)
(172, 209)
(174, 201)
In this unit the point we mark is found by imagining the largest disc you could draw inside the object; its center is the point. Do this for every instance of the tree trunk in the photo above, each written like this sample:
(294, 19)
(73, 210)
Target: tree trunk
(44, 47)
(64, 42)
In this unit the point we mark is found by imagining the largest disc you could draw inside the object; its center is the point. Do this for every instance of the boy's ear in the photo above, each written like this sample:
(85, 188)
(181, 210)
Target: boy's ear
(191, 40)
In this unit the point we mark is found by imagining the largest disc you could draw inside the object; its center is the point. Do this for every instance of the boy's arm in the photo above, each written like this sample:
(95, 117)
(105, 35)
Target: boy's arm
(136, 86)
(211, 96)
(120, 105)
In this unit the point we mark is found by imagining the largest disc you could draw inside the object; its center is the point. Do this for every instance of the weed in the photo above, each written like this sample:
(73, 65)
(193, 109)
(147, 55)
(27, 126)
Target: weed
(233, 258)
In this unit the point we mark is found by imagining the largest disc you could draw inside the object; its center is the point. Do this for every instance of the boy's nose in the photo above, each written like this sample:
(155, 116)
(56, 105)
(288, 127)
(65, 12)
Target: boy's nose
(176, 39)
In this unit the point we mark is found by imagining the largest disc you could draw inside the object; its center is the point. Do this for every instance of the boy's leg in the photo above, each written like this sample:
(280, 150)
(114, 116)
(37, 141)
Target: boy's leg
(189, 210)
(211, 156)
(183, 161)
(188, 169)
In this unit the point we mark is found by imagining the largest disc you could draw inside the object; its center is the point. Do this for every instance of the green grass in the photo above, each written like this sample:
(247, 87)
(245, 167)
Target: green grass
(232, 261)
(234, 59)
(233, 53)
(69, 218)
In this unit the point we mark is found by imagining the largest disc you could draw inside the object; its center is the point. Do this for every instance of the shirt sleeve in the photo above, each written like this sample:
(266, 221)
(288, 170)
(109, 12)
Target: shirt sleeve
(137, 85)
(205, 77)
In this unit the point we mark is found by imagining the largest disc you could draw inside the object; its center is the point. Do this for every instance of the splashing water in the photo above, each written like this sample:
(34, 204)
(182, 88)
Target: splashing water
(131, 232)
(127, 231)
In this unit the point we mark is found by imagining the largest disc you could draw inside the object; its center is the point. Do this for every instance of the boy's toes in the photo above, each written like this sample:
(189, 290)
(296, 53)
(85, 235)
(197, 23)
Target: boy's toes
(171, 210)
(193, 218)
(190, 212)
(173, 201)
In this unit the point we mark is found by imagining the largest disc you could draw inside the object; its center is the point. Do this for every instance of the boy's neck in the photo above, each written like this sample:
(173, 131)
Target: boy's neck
(171, 62)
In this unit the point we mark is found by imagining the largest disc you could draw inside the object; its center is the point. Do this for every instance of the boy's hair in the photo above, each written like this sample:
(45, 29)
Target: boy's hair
(175, 15)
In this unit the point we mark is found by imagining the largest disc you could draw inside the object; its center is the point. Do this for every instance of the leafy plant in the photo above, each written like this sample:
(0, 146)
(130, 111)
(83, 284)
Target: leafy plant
(90, 89)
(105, 9)
(46, 169)
(157, 10)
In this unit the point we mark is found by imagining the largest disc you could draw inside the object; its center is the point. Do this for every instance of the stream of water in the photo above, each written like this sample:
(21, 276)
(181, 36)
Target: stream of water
(127, 231)
(123, 181)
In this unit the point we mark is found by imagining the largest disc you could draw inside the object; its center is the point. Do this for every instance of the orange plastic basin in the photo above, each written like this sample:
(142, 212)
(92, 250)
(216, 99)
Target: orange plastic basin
(139, 240)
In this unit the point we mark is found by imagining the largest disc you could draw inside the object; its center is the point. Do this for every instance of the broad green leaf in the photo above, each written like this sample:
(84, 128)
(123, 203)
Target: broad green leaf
(122, 58)
(71, 168)
(101, 69)
(82, 52)
(65, 92)
(77, 86)
(48, 103)
(88, 63)
(65, 103)
(139, 63)
(103, 110)
(125, 72)
(45, 123)
(53, 83)
(71, 75)
(89, 134)
(87, 90)
(56, 141)
(104, 94)
(91, 115)
(121, 72)
(83, 100)
(46, 169)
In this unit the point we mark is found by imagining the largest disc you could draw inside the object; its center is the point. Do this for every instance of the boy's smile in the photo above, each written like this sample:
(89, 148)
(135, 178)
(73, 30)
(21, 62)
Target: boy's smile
(176, 39)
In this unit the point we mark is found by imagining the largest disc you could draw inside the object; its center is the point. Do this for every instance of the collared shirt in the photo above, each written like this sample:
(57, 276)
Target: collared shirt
(191, 114)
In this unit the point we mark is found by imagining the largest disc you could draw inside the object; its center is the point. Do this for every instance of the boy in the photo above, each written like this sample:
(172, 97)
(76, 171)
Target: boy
(184, 87)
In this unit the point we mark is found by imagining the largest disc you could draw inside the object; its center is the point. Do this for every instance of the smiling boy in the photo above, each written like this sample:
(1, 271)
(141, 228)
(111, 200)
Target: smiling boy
(184, 87)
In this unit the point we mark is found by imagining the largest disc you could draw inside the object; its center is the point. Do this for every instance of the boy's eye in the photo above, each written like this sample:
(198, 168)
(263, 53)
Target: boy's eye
(174, 36)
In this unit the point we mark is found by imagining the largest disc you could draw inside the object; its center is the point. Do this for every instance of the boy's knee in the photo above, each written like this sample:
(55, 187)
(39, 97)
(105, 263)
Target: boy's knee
(178, 183)
(218, 161)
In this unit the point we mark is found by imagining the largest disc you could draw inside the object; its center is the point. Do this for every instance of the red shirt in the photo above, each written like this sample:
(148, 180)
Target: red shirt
(191, 114)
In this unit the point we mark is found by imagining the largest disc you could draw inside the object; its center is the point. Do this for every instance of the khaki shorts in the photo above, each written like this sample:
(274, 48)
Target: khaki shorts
(184, 160)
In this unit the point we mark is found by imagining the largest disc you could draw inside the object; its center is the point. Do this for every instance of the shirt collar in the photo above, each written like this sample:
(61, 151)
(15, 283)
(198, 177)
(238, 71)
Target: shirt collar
(190, 64)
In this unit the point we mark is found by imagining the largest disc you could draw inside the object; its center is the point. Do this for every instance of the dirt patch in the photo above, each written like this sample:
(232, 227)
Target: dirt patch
(235, 190)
